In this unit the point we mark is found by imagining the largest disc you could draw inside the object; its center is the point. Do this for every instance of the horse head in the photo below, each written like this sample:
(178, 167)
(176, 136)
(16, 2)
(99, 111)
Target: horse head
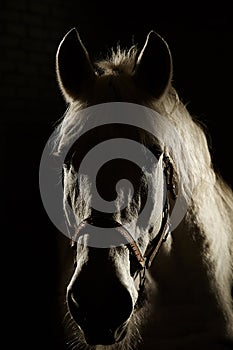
(114, 249)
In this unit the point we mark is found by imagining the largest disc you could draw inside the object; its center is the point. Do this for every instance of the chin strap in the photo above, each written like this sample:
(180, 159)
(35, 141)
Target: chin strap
(144, 262)
(153, 249)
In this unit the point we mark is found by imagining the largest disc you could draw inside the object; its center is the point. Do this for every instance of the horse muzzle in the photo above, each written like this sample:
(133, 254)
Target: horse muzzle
(102, 315)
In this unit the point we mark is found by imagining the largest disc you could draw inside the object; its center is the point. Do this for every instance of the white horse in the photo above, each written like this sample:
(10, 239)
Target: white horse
(120, 297)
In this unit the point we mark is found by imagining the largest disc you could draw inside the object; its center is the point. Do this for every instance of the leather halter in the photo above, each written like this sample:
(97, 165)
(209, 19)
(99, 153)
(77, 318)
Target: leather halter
(139, 262)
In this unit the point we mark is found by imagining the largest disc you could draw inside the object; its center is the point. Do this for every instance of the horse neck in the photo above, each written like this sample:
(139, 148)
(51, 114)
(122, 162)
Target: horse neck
(194, 265)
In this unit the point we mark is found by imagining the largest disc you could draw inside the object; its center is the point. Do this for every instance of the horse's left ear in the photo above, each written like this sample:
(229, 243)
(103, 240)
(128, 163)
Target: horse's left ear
(73, 66)
(153, 68)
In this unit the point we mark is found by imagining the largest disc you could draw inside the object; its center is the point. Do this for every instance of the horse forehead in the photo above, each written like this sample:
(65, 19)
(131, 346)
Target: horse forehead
(115, 86)
(113, 137)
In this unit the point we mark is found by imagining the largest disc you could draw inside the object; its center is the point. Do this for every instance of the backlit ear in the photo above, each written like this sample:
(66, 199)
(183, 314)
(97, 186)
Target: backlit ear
(153, 69)
(73, 66)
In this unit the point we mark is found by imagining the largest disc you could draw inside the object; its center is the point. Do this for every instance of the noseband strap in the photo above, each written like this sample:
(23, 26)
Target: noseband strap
(139, 262)
(143, 261)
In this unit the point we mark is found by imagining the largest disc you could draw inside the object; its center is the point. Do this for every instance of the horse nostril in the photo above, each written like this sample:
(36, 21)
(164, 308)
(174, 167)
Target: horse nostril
(73, 300)
(74, 308)
(121, 332)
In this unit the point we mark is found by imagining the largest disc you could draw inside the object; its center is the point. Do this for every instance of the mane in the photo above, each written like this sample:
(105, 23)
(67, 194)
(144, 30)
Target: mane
(120, 60)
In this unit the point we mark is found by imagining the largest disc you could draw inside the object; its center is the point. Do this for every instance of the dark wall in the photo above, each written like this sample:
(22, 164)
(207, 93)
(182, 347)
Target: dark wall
(201, 43)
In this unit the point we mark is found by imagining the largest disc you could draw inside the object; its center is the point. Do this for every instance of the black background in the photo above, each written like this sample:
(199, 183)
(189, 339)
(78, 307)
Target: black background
(200, 38)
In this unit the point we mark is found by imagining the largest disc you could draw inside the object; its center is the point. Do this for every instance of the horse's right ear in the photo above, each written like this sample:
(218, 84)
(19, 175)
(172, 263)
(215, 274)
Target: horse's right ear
(73, 66)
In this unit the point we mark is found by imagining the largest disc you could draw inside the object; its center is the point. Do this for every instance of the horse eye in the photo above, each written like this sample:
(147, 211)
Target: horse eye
(151, 229)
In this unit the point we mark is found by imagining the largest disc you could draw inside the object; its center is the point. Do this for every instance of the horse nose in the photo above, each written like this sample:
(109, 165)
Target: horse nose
(102, 313)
